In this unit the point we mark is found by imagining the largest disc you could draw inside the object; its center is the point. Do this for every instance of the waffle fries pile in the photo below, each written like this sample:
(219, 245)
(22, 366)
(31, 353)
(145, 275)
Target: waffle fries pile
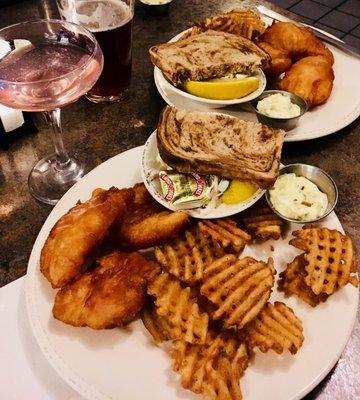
(213, 308)
(238, 22)
(327, 264)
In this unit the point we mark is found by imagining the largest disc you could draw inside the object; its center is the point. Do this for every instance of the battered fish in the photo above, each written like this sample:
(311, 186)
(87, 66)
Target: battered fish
(280, 60)
(298, 41)
(78, 232)
(109, 296)
(147, 223)
(311, 78)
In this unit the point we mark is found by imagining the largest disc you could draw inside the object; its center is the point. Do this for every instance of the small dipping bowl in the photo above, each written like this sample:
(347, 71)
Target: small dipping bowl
(155, 7)
(280, 123)
(320, 178)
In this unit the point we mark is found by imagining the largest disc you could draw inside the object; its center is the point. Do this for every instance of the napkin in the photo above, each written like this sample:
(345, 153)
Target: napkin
(25, 373)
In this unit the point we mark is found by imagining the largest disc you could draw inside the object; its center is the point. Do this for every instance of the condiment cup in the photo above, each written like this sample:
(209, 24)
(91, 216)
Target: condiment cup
(320, 178)
(280, 123)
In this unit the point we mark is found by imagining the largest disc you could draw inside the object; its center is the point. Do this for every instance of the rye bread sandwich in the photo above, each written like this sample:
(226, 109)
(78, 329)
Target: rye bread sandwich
(207, 55)
(211, 143)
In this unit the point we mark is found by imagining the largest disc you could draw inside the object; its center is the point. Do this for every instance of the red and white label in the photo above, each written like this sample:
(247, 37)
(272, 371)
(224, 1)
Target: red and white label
(170, 186)
(199, 184)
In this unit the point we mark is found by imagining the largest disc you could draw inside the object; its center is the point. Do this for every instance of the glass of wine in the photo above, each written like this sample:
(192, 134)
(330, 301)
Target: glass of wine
(44, 66)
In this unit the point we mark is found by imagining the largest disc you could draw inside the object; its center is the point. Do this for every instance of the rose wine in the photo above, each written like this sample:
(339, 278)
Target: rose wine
(47, 75)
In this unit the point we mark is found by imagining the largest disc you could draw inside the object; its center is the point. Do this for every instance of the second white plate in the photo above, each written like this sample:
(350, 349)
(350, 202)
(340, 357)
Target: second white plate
(342, 108)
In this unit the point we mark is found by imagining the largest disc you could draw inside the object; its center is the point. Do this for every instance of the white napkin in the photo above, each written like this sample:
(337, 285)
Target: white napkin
(25, 373)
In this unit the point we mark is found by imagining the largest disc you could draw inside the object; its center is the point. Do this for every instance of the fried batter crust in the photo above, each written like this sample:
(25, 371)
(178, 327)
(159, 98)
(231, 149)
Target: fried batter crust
(298, 41)
(280, 60)
(311, 78)
(78, 232)
(109, 296)
(147, 223)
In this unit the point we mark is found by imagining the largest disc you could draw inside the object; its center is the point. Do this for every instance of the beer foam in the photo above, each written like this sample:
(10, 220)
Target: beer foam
(98, 16)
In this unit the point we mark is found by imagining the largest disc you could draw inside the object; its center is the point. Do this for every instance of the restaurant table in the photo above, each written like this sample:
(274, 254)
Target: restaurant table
(98, 132)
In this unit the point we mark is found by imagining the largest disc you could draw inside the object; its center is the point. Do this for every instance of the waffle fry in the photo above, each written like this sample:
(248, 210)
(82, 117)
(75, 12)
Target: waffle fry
(179, 308)
(240, 288)
(239, 22)
(292, 282)
(226, 233)
(158, 326)
(214, 368)
(263, 223)
(186, 256)
(276, 328)
(222, 381)
(329, 256)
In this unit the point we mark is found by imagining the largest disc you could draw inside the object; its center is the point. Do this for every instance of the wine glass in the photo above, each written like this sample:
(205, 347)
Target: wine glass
(44, 66)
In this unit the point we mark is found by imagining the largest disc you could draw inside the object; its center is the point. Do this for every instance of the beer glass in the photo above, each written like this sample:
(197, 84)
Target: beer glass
(110, 21)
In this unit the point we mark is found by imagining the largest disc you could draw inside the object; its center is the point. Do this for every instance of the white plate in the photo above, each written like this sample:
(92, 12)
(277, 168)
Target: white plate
(342, 108)
(148, 165)
(125, 364)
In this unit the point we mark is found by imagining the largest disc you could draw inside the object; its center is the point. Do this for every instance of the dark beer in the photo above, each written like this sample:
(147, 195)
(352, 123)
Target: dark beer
(116, 75)
(111, 23)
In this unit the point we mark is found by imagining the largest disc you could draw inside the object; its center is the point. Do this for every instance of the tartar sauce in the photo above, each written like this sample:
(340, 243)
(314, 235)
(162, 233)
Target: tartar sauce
(298, 198)
(278, 106)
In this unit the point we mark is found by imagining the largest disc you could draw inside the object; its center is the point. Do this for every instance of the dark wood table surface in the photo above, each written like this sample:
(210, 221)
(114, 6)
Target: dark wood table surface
(98, 132)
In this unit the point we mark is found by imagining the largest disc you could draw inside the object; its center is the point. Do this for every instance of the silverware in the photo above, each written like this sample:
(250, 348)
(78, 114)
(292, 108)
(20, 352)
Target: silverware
(280, 123)
(321, 179)
(317, 32)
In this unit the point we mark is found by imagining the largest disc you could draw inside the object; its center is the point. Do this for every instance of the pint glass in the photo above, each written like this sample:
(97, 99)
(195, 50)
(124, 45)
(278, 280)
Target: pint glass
(111, 23)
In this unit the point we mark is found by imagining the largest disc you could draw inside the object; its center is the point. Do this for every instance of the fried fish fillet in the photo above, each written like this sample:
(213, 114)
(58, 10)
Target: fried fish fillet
(298, 41)
(109, 296)
(78, 232)
(147, 223)
(280, 60)
(311, 78)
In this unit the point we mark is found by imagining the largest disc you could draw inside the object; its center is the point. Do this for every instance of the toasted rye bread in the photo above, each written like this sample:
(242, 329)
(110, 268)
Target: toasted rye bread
(207, 55)
(210, 143)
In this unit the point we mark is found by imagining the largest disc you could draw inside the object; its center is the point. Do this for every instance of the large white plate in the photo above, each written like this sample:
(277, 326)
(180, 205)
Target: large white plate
(148, 165)
(125, 364)
(342, 108)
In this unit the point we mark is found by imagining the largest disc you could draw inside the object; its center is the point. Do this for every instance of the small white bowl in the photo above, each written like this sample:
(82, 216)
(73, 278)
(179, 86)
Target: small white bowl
(169, 87)
(148, 162)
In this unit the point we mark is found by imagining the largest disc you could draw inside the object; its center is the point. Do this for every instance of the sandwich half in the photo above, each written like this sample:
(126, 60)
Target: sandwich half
(207, 55)
(210, 143)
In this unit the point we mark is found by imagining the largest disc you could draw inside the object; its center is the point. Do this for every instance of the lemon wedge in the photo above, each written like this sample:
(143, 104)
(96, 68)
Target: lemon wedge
(238, 191)
(223, 89)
